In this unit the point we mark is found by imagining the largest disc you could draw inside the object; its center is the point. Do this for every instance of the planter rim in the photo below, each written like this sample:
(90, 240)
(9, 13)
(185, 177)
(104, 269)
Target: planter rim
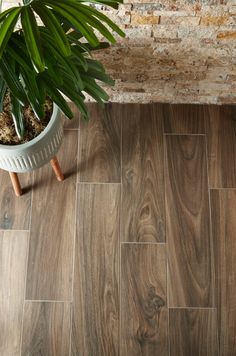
(35, 139)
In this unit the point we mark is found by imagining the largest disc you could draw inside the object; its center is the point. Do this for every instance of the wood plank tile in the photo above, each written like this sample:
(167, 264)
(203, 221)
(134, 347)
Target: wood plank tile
(13, 255)
(46, 329)
(193, 332)
(99, 154)
(221, 136)
(184, 118)
(49, 274)
(143, 209)
(15, 211)
(190, 251)
(143, 300)
(95, 310)
(224, 237)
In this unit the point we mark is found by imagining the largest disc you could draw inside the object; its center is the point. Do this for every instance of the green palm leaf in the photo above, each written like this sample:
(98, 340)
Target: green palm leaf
(54, 27)
(7, 28)
(6, 12)
(94, 90)
(35, 95)
(73, 17)
(17, 115)
(32, 38)
(53, 59)
(64, 62)
(7, 71)
(90, 11)
(55, 94)
(3, 88)
(79, 58)
(20, 56)
(87, 17)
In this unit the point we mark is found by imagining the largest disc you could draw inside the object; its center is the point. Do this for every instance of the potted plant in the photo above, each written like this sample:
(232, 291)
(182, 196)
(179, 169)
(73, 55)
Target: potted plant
(45, 57)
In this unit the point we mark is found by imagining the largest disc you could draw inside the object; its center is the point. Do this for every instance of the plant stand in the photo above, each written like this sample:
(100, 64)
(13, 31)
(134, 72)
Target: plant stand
(16, 183)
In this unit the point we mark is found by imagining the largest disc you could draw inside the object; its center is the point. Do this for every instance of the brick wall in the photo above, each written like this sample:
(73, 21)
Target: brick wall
(175, 51)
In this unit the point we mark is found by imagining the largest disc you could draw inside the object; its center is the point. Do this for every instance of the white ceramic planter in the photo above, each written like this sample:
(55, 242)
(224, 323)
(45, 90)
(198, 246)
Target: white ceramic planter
(35, 153)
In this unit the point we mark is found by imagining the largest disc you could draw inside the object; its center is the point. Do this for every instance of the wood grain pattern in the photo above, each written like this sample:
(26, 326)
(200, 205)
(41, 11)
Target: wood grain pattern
(190, 251)
(221, 135)
(13, 254)
(224, 237)
(193, 332)
(49, 274)
(99, 154)
(46, 329)
(95, 309)
(184, 118)
(117, 303)
(14, 211)
(143, 209)
(143, 300)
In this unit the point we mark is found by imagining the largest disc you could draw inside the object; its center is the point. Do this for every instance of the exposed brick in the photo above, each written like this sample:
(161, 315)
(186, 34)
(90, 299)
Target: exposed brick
(228, 99)
(174, 51)
(227, 35)
(165, 32)
(180, 20)
(137, 19)
(215, 20)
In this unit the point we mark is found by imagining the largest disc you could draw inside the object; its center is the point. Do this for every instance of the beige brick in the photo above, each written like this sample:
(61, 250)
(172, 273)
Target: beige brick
(174, 13)
(137, 19)
(180, 20)
(215, 20)
(213, 10)
(231, 78)
(228, 99)
(162, 31)
(177, 51)
(122, 16)
(227, 35)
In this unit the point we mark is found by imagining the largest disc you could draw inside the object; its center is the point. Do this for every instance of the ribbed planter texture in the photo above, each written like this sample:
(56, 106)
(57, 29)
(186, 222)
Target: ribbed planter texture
(39, 151)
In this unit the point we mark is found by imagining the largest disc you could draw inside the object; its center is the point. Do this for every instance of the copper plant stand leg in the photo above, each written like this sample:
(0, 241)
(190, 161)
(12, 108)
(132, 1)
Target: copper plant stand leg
(57, 169)
(15, 183)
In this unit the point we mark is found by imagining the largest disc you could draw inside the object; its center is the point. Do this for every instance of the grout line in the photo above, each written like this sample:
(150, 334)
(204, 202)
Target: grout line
(121, 151)
(22, 325)
(183, 134)
(142, 243)
(120, 228)
(210, 227)
(214, 297)
(119, 282)
(70, 335)
(27, 259)
(70, 129)
(118, 183)
(23, 302)
(194, 308)
(47, 301)
(14, 230)
(166, 242)
(168, 330)
(221, 188)
(78, 156)
(74, 244)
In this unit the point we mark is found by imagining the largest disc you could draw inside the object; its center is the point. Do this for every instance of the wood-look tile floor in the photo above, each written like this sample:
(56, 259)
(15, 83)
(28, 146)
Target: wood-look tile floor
(134, 254)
